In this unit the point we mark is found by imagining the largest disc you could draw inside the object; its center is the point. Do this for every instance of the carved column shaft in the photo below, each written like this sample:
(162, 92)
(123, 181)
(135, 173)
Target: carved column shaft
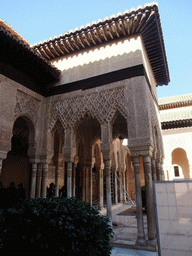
(69, 179)
(149, 198)
(57, 181)
(124, 188)
(116, 190)
(74, 176)
(120, 187)
(100, 188)
(44, 180)
(106, 148)
(140, 224)
(84, 184)
(154, 174)
(107, 164)
(90, 187)
(87, 184)
(33, 180)
(69, 153)
(1, 163)
(158, 170)
(161, 171)
(39, 177)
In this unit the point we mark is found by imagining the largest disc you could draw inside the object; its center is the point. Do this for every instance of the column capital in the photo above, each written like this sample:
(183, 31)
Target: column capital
(141, 151)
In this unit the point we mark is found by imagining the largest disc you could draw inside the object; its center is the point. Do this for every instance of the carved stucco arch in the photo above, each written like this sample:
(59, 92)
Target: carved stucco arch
(102, 106)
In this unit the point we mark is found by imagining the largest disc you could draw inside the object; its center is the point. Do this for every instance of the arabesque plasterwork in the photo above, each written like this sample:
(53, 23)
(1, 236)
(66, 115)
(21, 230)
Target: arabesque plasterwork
(101, 105)
(26, 105)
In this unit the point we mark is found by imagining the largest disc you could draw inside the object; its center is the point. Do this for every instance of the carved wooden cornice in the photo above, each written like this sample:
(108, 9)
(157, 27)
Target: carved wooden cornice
(143, 21)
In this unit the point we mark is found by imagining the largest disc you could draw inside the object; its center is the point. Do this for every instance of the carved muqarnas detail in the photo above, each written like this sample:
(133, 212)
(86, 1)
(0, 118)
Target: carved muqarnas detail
(101, 105)
(26, 104)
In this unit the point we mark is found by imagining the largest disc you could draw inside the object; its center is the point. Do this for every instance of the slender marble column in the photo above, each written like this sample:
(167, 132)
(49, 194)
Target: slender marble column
(161, 171)
(107, 164)
(149, 199)
(1, 163)
(120, 187)
(84, 184)
(69, 179)
(39, 177)
(33, 180)
(116, 190)
(57, 181)
(90, 187)
(44, 180)
(154, 174)
(100, 189)
(74, 176)
(140, 224)
(124, 188)
(158, 170)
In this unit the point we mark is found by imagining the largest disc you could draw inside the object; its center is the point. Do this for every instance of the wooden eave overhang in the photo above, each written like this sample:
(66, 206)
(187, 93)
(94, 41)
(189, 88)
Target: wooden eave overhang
(179, 102)
(181, 117)
(22, 64)
(176, 124)
(143, 21)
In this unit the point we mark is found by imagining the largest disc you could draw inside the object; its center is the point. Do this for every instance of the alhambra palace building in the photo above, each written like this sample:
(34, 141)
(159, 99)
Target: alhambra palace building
(81, 110)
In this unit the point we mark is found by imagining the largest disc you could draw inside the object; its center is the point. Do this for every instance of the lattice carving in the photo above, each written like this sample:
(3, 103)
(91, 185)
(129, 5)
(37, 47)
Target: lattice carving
(101, 105)
(27, 104)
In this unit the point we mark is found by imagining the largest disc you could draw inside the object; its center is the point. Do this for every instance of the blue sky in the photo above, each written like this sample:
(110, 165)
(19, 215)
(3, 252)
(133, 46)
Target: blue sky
(37, 20)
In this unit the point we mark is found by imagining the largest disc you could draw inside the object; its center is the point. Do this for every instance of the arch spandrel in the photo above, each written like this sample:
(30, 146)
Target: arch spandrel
(102, 105)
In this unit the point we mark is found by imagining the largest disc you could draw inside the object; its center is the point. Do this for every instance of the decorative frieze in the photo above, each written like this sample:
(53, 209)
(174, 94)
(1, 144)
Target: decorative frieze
(101, 105)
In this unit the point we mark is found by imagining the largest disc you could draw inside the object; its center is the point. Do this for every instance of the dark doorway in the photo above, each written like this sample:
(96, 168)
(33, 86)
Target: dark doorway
(16, 167)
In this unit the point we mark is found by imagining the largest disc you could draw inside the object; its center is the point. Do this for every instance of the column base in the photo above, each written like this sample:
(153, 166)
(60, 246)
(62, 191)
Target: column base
(141, 241)
(152, 242)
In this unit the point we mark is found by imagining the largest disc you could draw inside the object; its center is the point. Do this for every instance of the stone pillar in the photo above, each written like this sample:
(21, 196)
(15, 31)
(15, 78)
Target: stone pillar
(1, 163)
(87, 184)
(158, 169)
(39, 177)
(74, 176)
(33, 180)
(3, 156)
(120, 187)
(69, 179)
(116, 190)
(140, 224)
(161, 170)
(149, 199)
(154, 174)
(100, 206)
(44, 180)
(107, 164)
(106, 149)
(124, 188)
(84, 184)
(57, 181)
(90, 187)
(76, 160)
(69, 152)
